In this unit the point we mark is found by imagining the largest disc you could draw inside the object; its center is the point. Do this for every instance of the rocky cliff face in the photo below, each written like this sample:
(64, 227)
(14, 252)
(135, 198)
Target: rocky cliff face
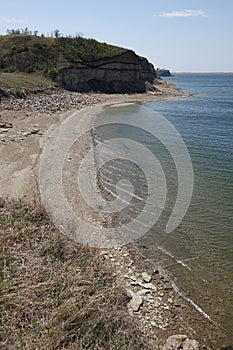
(124, 73)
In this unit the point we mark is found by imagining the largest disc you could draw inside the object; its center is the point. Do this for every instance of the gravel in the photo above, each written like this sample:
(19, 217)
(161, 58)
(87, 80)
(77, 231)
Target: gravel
(48, 103)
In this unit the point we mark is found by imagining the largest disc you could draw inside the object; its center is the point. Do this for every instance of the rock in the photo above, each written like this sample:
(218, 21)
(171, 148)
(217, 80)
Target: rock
(143, 292)
(133, 278)
(146, 277)
(180, 341)
(135, 302)
(167, 286)
(133, 283)
(26, 133)
(177, 303)
(35, 131)
(6, 125)
(147, 285)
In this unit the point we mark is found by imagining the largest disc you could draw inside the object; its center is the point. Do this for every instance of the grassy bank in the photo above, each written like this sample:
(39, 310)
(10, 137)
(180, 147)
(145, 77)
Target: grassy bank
(20, 80)
(55, 294)
(33, 60)
(32, 53)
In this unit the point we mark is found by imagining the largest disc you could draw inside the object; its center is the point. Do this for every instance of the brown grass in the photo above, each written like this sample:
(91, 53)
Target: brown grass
(55, 294)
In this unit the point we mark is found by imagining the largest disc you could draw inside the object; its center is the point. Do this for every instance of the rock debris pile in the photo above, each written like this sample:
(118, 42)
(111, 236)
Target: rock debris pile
(152, 300)
(17, 136)
(48, 103)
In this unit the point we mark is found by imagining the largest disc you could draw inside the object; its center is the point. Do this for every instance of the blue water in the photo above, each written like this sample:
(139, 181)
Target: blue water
(204, 239)
(205, 122)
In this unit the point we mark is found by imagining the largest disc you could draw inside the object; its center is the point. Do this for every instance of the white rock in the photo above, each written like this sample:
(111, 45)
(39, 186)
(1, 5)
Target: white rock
(146, 278)
(143, 292)
(135, 302)
(147, 285)
(133, 278)
(180, 341)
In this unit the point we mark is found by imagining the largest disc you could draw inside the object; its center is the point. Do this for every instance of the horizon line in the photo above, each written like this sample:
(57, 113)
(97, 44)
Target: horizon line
(201, 72)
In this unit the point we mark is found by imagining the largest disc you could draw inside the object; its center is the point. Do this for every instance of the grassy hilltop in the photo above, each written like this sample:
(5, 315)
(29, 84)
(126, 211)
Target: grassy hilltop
(42, 57)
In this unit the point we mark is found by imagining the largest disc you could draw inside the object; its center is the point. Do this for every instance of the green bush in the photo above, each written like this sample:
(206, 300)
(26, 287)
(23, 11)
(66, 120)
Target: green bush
(52, 73)
(17, 89)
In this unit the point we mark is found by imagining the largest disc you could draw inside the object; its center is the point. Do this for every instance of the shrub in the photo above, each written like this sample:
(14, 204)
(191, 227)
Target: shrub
(52, 73)
(17, 89)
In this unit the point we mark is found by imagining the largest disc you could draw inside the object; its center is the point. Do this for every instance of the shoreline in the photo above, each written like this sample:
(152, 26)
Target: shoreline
(127, 263)
(198, 324)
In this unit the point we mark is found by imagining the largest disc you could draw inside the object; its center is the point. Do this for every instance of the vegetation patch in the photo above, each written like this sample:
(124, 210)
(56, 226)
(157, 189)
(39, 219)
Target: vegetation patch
(55, 294)
(28, 52)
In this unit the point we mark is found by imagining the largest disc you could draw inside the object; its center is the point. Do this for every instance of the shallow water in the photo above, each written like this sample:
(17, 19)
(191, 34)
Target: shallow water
(198, 254)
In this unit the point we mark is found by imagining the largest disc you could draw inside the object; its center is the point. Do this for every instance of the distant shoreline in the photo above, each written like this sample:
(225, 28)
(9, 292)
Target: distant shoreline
(174, 74)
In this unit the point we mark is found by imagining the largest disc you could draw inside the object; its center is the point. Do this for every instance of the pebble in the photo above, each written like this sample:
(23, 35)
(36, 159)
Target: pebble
(46, 103)
(6, 125)
(176, 303)
(133, 283)
(168, 286)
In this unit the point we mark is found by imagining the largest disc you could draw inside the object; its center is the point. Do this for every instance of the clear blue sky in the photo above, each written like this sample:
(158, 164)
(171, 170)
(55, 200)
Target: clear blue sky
(190, 35)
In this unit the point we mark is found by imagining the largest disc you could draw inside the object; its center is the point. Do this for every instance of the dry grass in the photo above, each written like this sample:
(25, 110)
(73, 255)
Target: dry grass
(55, 294)
(23, 79)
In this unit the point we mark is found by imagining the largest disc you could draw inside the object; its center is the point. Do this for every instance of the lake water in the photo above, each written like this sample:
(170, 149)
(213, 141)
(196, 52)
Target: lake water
(198, 254)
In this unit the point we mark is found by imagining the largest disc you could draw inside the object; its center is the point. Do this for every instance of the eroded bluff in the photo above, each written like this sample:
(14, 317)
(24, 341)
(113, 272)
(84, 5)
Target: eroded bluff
(124, 73)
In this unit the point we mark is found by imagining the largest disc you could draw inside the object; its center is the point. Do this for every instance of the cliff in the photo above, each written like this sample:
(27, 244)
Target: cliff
(123, 73)
(76, 64)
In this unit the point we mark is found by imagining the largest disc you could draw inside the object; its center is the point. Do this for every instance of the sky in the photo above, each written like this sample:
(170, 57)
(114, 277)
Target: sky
(181, 35)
